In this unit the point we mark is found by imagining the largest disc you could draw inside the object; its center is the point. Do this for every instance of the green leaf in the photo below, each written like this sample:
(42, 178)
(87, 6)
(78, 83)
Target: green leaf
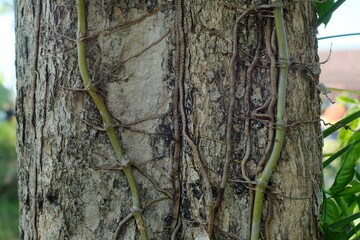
(343, 203)
(327, 155)
(346, 220)
(357, 172)
(331, 211)
(348, 99)
(325, 10)
(321, 8)
(353, 231)
(347, 190)
(344, 133)
(351, 200)
(341, 123)
(347, 171)
(331, 233)
(338, 154)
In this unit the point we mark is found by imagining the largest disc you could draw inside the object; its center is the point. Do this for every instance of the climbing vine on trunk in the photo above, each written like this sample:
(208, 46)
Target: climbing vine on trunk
(191, 98)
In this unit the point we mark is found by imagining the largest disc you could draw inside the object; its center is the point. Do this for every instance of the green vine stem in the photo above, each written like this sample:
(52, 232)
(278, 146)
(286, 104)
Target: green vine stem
(341, 123)
(337, 36)
(264, 176)
(107, 119)
(344, 90)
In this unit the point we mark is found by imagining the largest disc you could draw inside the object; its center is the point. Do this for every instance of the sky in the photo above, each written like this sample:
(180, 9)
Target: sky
(345, 20)
(7, 49)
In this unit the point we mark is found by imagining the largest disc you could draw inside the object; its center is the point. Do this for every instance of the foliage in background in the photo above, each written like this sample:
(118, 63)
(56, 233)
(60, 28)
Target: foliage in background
(340, 219)
(5, 94)
(5, 7)
(341, 201)
(8, 181)
(325, 10)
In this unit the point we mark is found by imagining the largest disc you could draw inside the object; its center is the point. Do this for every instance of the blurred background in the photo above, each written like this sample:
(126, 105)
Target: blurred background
(8, 181)
(340, 74)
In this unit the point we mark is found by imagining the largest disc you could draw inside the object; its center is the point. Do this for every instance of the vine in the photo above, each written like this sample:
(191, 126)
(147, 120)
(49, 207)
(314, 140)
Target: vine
(263, 178)
(276, 127)
(270, 105)
(107, 119)
(232, 73)
(180, 96)
(179, 114)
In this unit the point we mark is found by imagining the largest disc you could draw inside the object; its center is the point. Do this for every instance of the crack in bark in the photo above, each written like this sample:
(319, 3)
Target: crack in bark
(229, 126)
(180, 49)
(37, 10)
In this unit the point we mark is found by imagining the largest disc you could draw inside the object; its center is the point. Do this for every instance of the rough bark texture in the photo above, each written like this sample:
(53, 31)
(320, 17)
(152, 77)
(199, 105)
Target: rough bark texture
(62, 196)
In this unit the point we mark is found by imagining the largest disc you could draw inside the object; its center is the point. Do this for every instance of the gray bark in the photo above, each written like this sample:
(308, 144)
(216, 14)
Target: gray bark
(63, 196)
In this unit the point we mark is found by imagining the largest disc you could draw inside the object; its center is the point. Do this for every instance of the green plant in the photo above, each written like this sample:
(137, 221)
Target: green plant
(341, 201)
(325, 10)
(5, 6)
(264, 176)
(5, 94)
(107, 119)
(8, 189)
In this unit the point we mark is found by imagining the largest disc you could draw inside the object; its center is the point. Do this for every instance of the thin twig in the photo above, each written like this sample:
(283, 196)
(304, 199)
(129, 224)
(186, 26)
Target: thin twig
(290, 124)
(176, 223)
(212, 139)
(58, 33)
(285, 196)
(62, 51)
(247, 107)
(176, 230)
(109, 30)
(247, 134)
(130, 216)
(229, 124)
(74, 89)
(141, 52)
(121, 224)
(154, 183)
(228, 234)
(273, 93)
(126, 126)
(165, 173)
(247, 183)
(138, 121)
(114, 168)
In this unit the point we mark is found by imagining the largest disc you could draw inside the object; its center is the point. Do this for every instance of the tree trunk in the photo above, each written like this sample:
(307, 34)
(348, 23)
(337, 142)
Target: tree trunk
(165, 73)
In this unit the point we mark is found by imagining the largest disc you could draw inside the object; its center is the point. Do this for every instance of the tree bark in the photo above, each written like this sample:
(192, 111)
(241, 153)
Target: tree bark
(164, 72)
